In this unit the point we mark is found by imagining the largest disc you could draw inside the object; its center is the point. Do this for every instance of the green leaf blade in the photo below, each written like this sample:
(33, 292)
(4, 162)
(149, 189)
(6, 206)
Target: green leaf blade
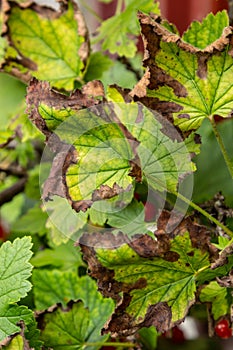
(44, 42)
(157, 280)
(205, 33)
(15, 270)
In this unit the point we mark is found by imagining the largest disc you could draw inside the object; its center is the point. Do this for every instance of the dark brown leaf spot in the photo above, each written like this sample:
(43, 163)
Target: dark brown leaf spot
(159, 316)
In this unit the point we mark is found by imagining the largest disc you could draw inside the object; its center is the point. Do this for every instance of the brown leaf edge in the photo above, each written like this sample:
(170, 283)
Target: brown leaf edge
(153, 33)
(27, 66)
(39, 92)
(158, 315)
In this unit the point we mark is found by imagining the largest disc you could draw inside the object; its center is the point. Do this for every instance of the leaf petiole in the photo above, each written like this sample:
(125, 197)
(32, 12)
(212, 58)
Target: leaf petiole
(228, 161)
(116, 344)
(119, 7)
(206, 214)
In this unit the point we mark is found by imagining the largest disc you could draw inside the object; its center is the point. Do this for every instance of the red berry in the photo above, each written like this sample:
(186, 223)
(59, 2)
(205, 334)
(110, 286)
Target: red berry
(223, 330)
(177, 335)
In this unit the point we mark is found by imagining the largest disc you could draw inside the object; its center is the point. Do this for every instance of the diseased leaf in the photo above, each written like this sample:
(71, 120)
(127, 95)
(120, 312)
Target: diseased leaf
(202, 34)
(15, 270)
(156, 291)
(117, 32)
(104, 149)
(53, 44)
(220, 298)
(190, 83)
(10, 318)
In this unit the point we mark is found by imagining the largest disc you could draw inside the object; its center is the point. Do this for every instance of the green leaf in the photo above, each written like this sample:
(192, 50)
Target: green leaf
(97, 65)
(148, 337)
(15, 270)
(155, 280)
(32, 221)
(57, 58)
(56, 324)
(10, 102)
(130, 220)
(120, 75)
(53, 286)
(63, 222)
(16, 343)
(210, 179)
(162, 160)
(65, 257)
(10, 317)
(220, 297)
(104, 156)
(210, 29)
(116, 32)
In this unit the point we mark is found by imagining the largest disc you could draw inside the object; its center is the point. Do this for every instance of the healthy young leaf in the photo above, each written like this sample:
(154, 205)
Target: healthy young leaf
(32, 221)
(65, 257)
(54, 286)
(98, 64)
(15, 270)
(53, 43)
(117, 32)
(129, 220)
(156, 291)
(56, 324)
(219, 297)
(206, 186)
(202, 34)
(192, 84)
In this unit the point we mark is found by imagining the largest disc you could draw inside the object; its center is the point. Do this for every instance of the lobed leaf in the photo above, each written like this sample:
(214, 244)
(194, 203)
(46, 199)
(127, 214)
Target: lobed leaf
(202, 34)
(10, 318)
(219, 297)
(156, 291)
(15, 270)
(56, 324)
(117, 32)
(191, 83)
(54, 286)
(53, 43)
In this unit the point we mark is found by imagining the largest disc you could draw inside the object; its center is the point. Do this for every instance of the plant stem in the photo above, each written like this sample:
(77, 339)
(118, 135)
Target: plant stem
(119, 7)
(89, 9)
(123, 345)
(206, 214)
(228, 161)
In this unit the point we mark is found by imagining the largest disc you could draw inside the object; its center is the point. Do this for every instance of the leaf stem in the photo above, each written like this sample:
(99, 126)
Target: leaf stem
(119, 7)
(123, 345)
(206, 214)
(228, 161)
(94, 13)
